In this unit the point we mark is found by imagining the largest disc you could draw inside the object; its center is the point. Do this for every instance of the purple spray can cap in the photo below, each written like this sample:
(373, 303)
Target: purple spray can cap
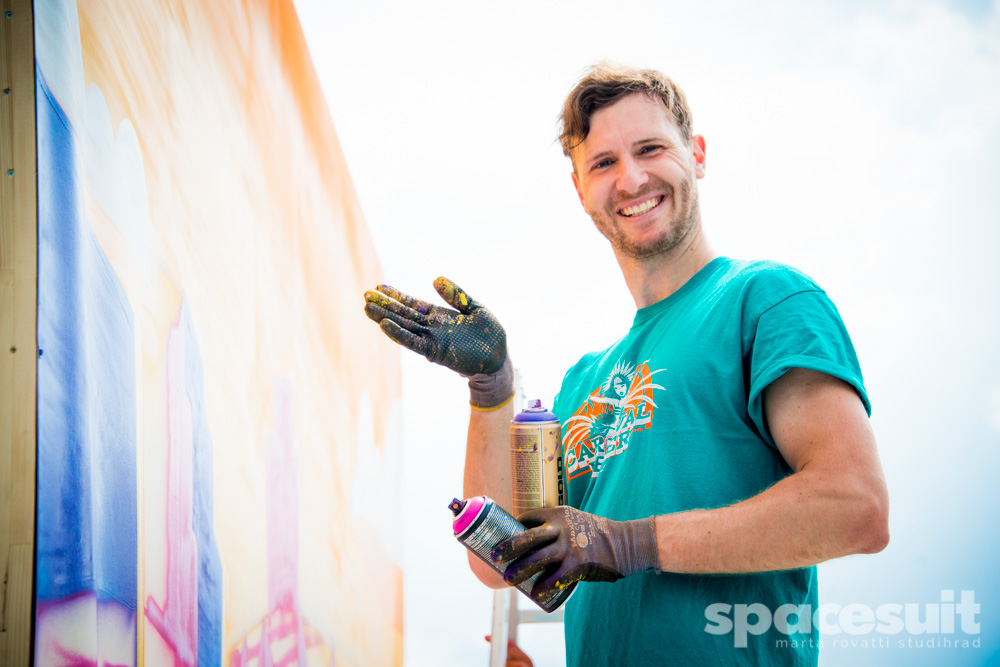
(535, 412)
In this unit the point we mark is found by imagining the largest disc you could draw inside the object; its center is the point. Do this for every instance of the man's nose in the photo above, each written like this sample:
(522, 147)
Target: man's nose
(631, 175)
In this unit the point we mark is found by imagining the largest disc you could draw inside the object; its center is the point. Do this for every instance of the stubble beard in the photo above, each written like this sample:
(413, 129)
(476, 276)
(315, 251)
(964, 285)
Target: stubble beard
(684, 219)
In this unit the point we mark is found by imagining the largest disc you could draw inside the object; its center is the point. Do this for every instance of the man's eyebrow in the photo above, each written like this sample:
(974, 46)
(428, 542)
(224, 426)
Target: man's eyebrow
(599, 156)
(653, 140)
(641, 142)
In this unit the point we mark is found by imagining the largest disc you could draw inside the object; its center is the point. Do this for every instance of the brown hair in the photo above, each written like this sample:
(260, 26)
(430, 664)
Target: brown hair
(604, 84)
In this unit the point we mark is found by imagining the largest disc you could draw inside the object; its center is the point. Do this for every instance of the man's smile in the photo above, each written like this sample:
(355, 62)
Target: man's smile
(642, 207)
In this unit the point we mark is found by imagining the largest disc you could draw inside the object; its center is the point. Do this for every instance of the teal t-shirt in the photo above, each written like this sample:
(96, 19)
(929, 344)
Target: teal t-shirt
(670, 418)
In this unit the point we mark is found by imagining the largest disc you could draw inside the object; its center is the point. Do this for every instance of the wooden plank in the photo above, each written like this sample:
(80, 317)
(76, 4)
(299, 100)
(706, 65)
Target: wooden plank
(498, 633)
(20, 594)
(18, 313)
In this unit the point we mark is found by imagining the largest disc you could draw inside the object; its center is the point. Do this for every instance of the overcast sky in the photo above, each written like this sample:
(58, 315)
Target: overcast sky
(855, 140)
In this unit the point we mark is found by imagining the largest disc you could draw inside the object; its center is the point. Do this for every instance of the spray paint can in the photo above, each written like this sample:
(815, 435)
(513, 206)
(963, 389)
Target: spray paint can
(480, 524)
(536, 460)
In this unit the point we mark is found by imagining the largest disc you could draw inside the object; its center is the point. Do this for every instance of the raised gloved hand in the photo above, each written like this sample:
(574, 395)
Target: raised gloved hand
(469, 340)
(568, 545)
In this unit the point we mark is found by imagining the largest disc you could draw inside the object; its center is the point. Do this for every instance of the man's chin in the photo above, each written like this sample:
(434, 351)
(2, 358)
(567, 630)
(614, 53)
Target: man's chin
(637, 248)
(645, 250)
(649, 248)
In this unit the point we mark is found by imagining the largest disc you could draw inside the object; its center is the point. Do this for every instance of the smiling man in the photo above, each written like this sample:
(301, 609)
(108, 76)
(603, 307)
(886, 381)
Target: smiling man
(725, 434)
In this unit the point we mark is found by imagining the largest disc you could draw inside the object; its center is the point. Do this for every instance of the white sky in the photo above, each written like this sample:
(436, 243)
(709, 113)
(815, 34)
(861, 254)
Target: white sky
(855, 140)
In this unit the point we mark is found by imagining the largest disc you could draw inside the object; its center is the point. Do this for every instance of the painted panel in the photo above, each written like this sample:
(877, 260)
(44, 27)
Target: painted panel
(218, 433)
(87, 505)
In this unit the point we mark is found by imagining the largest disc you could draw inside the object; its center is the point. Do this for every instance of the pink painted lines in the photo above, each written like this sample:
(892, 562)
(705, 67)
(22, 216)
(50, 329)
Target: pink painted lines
(282, 638)
(177, 618)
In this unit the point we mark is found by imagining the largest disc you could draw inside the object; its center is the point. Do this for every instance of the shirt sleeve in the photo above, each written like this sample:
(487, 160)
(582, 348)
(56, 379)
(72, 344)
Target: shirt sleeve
(803, 330)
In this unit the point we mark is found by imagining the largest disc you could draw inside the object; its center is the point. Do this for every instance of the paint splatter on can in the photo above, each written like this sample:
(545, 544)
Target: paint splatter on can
(536, 460)
(480, 524)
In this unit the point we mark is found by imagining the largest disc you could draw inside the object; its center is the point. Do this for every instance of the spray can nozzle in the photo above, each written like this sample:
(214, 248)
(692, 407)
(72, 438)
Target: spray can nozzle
(456, 506)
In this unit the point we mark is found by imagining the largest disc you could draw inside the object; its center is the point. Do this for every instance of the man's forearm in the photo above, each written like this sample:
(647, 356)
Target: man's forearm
(834, 504)
(800, 521)
(487, 470)
(487, 455)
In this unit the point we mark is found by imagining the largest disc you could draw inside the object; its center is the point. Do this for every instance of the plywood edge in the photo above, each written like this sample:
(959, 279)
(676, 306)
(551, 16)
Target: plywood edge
(18, 317)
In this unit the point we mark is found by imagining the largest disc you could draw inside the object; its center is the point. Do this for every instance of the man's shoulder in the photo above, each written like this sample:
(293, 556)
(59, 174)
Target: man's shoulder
(767, 271)
(765, 281)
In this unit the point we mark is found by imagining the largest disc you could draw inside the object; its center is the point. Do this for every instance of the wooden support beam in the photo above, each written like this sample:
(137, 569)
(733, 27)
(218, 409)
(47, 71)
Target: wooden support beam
(18, 341)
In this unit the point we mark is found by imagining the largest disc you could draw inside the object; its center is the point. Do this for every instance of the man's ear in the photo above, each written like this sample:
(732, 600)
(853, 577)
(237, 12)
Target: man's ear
(698, 149)
(579, 192)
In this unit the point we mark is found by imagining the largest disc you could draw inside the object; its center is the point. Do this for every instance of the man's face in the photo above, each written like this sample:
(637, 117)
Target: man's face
(635, 176)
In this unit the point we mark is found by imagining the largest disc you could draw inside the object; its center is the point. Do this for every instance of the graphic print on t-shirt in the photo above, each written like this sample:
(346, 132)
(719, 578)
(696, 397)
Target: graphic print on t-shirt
(603, 425)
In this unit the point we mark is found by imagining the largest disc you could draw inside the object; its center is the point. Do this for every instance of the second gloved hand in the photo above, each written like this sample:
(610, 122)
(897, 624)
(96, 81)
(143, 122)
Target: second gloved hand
(568, 545)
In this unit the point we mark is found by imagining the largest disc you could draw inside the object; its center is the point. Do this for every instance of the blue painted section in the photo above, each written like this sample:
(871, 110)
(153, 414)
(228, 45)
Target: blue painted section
(209, 565)
(87, 510)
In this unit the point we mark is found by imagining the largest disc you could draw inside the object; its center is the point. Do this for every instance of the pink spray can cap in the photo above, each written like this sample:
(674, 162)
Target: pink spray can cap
(465, 512)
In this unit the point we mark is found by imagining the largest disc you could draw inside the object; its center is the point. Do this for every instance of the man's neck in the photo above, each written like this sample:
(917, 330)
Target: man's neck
(653, 279)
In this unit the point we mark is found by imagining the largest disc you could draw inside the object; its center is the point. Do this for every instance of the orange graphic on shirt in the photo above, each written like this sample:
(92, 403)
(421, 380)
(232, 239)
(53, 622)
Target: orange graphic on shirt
(602, 427)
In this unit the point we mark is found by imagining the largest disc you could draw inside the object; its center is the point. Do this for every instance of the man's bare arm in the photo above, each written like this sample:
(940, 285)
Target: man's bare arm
(835, 502)
(487, 470)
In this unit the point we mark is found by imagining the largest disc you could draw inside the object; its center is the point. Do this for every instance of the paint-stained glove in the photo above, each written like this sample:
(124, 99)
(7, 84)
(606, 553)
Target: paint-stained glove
(469, 340)
(568, 545)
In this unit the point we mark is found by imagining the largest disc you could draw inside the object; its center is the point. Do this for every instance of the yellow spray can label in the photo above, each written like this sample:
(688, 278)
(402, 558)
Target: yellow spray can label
(536, 460)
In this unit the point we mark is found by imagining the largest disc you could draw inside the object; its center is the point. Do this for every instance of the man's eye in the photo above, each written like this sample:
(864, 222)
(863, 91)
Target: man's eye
(602, 164)
(649, 149)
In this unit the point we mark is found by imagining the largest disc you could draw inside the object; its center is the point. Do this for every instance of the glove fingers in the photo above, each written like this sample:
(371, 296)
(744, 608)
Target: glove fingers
(560, 578)
(545, 559)
(391, 305)
(557, 579)
(537, 537)
(377, 313)
(421, 307)
(409, 340)
(455, 296)
(524, 543)
(537, 516)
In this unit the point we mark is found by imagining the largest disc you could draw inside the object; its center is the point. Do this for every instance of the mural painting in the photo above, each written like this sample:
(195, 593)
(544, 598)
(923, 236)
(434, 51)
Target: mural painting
(213, 421)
